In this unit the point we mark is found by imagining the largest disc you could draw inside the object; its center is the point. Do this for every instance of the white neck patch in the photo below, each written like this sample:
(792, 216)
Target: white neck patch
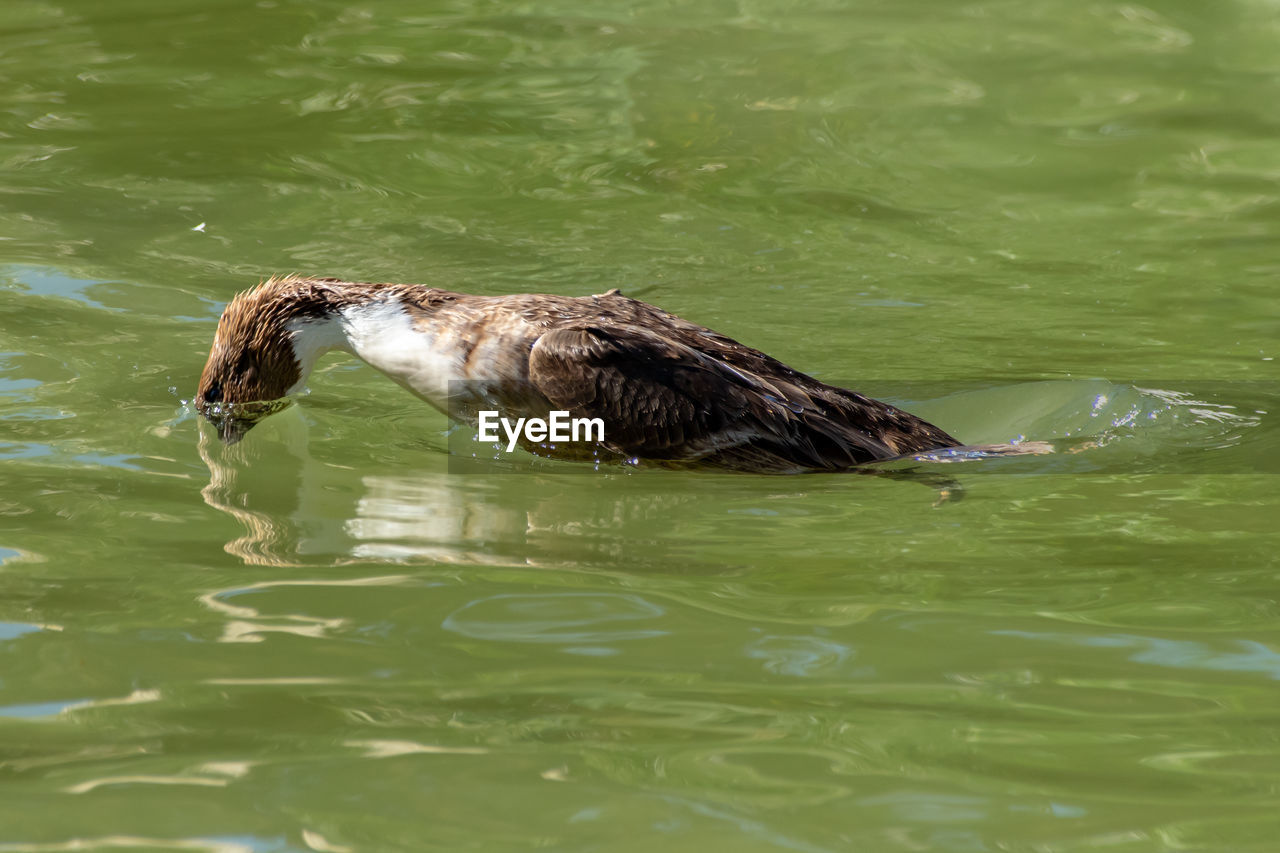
(383, 334)
(312, 338)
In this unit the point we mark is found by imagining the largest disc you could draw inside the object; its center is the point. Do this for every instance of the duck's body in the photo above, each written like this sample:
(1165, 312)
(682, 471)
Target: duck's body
(667, 390)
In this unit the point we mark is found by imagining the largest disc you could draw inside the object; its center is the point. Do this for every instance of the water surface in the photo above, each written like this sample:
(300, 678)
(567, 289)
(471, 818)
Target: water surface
(1035, 219)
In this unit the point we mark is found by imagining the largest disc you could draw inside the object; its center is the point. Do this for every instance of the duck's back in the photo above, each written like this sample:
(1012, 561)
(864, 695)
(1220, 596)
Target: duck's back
(682, 394)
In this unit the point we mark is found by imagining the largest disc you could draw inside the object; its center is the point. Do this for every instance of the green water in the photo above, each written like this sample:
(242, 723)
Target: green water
(1049, 219)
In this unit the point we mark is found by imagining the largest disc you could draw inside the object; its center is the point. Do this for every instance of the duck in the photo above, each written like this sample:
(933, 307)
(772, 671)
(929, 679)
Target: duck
(670, 393)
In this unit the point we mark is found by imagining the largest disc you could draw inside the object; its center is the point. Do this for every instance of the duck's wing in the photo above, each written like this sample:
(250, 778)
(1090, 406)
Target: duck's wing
(662, 399)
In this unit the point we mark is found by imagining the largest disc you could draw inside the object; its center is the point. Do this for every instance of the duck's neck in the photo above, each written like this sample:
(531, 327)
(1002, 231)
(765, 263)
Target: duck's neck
(383, 333)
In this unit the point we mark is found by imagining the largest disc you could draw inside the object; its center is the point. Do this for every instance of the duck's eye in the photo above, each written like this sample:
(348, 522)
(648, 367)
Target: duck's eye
(213, 394)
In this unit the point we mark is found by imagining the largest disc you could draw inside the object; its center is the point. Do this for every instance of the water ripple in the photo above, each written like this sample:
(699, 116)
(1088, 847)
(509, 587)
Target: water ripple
(555, 618)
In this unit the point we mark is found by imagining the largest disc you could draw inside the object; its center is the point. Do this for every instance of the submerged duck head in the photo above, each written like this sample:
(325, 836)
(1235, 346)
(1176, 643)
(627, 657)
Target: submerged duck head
(253, 364)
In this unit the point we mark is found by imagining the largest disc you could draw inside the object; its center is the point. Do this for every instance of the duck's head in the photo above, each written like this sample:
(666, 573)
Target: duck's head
(254, 363)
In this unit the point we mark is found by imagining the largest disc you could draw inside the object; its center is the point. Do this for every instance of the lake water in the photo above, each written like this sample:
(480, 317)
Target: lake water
(1043, 219)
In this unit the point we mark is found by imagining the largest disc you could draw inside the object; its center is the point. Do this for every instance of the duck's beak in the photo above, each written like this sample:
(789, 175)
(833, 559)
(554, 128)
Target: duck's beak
(232, 421)
(231, 430)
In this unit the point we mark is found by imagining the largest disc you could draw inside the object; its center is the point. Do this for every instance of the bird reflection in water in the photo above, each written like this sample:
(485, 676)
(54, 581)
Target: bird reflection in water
(296, 509)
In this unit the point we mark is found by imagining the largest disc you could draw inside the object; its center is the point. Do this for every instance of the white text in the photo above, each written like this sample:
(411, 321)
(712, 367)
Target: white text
(558, 426)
